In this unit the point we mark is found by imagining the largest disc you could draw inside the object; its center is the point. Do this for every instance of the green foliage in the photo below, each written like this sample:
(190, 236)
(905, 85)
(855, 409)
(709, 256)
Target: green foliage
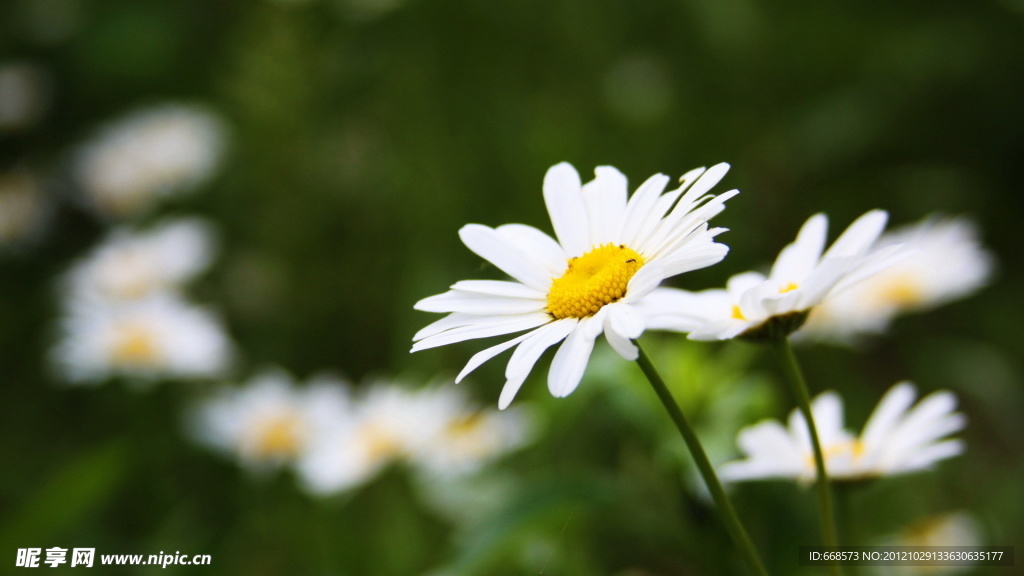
(364, 133)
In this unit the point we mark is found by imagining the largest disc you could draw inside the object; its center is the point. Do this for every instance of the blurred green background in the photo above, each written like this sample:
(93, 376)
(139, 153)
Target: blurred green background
(364, 133)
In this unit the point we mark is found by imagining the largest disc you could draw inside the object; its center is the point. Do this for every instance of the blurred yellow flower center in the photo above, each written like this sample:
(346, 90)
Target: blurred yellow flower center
(379, 444)
(135, 345)
(278, 437)
(900, 291)
(597, 278)
(737, 313)
(853, 448)
(788, 288)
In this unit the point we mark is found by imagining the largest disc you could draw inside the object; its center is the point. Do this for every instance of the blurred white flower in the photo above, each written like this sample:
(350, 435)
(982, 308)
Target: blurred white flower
(467, 437)
(128, 265)
(269, 421)
(387, 423)
(611, 252)
(897, 439)
(24, 209)
(757, 306)
(155, 337)
(134, 162)
(947, 262)
(437, 430)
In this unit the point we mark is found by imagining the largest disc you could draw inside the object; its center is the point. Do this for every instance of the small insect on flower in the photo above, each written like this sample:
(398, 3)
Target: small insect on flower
(611, 252)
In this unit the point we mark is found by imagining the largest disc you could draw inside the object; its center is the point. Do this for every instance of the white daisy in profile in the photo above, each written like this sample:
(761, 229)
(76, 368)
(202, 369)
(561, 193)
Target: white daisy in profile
(387, 422)
(128, 265)
(147, 155)
(899, 438)
(156, 337)
(610, 253)
(757, 306)
(466, 437)
(269, 421)
(947, 262)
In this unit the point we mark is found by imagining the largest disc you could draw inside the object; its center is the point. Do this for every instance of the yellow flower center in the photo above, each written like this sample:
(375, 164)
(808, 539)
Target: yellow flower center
(788, 288)
(597, 278)
(135, 345)
(737, 314)
(378, 443)
(901, 291)
(278, 437)
(854, 449)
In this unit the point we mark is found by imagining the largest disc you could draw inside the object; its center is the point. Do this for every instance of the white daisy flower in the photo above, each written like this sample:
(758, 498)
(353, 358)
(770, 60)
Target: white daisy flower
(269, 421)
(387, 422)
(128, 265)
(149, 154)
(947, 262)
(610, 253)
(467, 437)
(757, 306)
(156, 337)
(897, 439)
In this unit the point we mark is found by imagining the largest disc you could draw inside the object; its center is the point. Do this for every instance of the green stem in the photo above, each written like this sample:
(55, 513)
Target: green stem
(732, 521)
(795, 378)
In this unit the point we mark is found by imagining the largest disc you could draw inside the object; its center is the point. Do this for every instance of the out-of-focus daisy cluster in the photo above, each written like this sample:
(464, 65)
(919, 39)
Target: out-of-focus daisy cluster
(337, 438)
(124, 304)
(125, 312)
(133, 163)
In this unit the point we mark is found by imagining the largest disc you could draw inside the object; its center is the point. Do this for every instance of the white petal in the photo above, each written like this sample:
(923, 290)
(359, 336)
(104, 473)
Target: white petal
(571, 359)
(538, 245)
(706, 182)
(738, 284)
(605, 199)
(564, 199)
(888, 412)
(640, 206)
(828, 418)
(527, 354)
(497, 327)
(507, 255)
(624, 320)
(455, 320)
(646, 279)
(796, 260)
(858, 238)
(929, 455)
(623, 346)
(486, 354)
(472, 303)
(498, 288)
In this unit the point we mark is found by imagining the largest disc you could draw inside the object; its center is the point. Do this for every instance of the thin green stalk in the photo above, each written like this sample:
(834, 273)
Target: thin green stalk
(795, 379)
(732, 521)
